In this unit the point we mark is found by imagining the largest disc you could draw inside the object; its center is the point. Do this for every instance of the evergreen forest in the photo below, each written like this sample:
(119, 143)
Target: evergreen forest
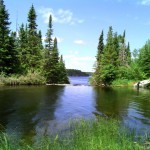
(116, 63)
(24, 59)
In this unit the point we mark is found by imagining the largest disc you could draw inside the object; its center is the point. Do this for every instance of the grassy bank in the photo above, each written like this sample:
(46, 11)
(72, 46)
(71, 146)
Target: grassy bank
(31, 78)
(123, 82)
(104, 134)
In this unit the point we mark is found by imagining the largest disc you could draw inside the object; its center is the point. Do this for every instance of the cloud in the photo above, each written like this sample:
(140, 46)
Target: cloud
(79, 42)
(75, 61)
(60, 16)
(144, 2)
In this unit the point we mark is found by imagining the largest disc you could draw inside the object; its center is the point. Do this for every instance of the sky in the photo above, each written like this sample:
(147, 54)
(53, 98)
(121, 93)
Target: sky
(77, 24)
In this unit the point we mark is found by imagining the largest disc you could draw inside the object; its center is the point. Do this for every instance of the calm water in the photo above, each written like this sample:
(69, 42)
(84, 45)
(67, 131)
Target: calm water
(32, 111)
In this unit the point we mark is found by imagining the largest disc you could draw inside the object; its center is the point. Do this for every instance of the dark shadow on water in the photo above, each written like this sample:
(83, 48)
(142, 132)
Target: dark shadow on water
(25, 110)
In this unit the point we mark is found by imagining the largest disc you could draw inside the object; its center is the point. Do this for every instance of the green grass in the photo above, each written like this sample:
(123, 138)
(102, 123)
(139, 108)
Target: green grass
(123, 82)
(31, 78)
(104, 134)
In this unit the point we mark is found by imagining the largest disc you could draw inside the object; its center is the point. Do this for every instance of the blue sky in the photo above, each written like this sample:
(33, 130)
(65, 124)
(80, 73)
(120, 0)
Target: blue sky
(78, 23)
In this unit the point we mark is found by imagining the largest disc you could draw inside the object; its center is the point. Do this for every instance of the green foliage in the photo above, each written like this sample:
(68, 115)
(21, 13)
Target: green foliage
(34, 42)
(123, 82)
(7, 47)
(100, 47)
(100, 50)
(108, 74)
(144, 58)
(31, 78)
(109, 60)
(32, 21)
(115, 61)
(55, 71)
(62, 76)
(48, 40)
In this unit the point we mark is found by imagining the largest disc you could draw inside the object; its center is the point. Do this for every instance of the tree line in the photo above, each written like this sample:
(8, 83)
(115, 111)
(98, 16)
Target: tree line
(114, 60)
(22, 51)
(75, 72)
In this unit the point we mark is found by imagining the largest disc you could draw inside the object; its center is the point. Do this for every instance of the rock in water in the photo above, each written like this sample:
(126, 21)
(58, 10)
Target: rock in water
(142, 84)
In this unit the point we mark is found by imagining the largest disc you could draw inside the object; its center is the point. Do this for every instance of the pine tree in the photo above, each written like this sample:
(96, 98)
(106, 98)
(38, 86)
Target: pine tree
(7, 47)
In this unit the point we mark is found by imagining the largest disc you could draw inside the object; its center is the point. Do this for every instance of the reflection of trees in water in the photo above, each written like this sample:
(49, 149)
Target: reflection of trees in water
(24, 108)
(131, 105)
(142, 101)
(112, 102)
(7, 100)
(45, 115)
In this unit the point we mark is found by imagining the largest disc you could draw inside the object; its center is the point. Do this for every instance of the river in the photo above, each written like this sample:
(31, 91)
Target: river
(29, 111)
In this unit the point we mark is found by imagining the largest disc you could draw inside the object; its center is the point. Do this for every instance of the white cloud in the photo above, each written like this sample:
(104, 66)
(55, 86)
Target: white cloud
(79, 42)
(75, 61)
(144, 2)
(60, 16)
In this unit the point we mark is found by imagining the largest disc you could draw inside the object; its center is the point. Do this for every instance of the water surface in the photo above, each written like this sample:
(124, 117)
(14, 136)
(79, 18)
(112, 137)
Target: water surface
(42, 110)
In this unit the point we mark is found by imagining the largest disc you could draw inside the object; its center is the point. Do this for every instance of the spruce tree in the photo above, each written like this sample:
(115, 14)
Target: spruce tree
(40, 39)
(63, 76)
(48, 47)
(128, 54)
(100, 47)
(55, 53)
(4, 37)
(7, 46)
(34, 44)
(48, 40)
(100, 50)
(24, 53)
(122, 51)
(108, 63)
(52, 69)
(32, 21)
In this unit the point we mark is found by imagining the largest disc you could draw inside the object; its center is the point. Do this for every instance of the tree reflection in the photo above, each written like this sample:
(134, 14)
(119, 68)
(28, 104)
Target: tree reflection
(31, 108)
(112, 102)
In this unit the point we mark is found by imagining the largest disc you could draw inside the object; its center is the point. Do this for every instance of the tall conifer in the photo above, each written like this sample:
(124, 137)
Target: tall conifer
(34, 43)
(7, 47)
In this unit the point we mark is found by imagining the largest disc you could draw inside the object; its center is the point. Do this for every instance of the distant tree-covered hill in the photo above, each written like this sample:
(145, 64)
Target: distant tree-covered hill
(74, 72)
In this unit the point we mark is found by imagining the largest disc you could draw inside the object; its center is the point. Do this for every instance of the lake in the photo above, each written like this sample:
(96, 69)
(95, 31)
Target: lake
(30, 111)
